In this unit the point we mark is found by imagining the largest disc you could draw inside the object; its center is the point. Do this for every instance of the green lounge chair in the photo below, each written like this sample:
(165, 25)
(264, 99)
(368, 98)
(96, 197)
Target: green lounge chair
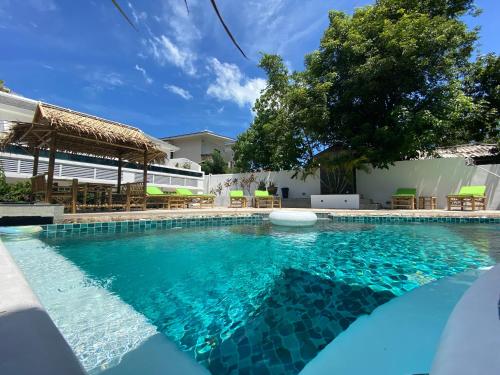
(201, 200)
(154, 191)
(157, 197)
(263, 197)
(237, 199)
(468, 196)
(404, 198)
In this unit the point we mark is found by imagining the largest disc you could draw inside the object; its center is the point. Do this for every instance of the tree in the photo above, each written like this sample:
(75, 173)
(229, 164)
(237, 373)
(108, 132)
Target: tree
(387, 83)
(394, 71)
(215, 164)
(3, 88)
(279, 136)
(482, 85)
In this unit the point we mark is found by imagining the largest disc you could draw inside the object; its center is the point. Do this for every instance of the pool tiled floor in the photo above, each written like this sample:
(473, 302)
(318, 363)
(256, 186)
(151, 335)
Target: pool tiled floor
(302, 314)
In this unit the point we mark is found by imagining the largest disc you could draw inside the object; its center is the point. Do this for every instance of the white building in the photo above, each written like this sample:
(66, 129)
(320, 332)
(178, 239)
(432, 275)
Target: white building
(199, 146)
(17, 163)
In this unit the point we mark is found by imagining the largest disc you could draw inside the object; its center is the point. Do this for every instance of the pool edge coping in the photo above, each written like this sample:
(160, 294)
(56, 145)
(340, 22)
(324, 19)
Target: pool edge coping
(31, 342)
(192, 221)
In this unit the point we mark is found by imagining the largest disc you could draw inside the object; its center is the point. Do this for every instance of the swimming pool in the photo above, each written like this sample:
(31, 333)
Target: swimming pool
(236, 298)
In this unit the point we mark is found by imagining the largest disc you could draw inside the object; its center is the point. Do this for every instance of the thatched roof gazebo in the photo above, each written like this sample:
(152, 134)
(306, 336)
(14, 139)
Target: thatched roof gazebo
(60, 129)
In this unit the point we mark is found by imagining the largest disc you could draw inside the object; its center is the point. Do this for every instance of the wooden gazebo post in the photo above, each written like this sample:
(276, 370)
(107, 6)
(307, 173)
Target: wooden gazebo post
(36, 156)
(145, 177)
(120, 162)
(52, 162)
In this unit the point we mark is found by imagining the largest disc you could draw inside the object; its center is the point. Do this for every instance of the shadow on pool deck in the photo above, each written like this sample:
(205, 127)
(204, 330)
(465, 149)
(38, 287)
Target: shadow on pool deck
(302, 315)
(31, 344)
(156, 355)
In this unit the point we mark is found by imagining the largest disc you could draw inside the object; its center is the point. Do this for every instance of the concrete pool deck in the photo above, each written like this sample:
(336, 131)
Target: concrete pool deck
(31, 343)
(224, 211)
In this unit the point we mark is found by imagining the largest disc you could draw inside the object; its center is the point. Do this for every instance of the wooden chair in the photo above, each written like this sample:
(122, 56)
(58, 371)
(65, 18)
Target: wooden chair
(263, 198)
(61, 194)
(405, 198)
(473, 197)
(196, 200)
(39, 187)
(237, 199)
(134, 196)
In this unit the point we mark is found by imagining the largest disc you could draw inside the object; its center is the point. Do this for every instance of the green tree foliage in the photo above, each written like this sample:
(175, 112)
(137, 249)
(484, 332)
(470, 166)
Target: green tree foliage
(3, 88)
(390, 81)
(394, 71)
(215, 164)
(286, 111)
(18, 192)
(482, 84)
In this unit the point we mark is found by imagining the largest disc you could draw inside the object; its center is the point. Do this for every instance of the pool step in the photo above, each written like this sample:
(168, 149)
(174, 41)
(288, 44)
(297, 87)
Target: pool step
(399, 337)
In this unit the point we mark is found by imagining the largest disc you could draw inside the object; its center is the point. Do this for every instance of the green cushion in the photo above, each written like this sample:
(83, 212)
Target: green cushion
(184, 191)
(154, 190)
(261, 193)
(405, 192)
(477, 191)
(236, 193)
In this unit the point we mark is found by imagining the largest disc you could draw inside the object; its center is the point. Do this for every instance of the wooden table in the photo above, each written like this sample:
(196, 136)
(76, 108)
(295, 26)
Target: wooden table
(427, 202)
(99, 191)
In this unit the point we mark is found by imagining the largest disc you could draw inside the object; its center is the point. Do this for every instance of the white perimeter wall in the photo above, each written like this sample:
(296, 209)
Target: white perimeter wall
(438, 177)
(298, 187)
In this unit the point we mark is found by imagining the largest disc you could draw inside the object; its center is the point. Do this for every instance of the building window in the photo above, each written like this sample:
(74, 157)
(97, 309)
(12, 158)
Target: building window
(171, 154)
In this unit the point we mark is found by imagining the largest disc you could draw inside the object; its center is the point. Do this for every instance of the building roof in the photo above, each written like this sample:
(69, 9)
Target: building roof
(478, 150)
(16, 108)
(199, 134)
(81, 133)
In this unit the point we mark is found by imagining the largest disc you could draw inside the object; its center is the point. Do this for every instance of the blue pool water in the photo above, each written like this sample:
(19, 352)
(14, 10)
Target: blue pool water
(239, 299)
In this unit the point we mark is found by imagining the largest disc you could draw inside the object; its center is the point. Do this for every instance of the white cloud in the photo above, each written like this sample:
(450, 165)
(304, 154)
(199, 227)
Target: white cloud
(231, 85)
(181, 24)
(147, 78)
(279, 26)
(100, 81)
(176, 44)
(110, 79)
(43, 5)
(165, 51)
(185, 94)
(138, 16)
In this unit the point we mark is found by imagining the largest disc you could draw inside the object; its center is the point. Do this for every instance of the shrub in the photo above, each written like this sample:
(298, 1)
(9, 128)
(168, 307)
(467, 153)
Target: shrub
(18, 192)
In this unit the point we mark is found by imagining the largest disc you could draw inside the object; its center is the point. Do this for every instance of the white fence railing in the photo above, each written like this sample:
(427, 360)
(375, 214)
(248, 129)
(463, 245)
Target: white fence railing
(19, 167)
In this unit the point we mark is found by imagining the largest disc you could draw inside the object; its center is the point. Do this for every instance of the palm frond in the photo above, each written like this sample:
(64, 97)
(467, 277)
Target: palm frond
(228, 32)
(214, 6)
(115, 3)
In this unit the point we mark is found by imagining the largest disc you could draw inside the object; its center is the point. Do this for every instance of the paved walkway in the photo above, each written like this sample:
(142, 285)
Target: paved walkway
(223, 211)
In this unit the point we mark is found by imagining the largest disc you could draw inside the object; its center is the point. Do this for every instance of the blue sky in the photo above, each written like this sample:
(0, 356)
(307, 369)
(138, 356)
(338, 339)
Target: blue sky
(179, 73)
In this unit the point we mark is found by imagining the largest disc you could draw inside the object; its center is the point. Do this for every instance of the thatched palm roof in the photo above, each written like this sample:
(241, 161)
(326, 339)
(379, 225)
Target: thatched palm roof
(81, 133)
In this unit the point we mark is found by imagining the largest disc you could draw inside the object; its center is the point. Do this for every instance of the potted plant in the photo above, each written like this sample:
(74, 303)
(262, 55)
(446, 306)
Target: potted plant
(261, 185)
(272, 188)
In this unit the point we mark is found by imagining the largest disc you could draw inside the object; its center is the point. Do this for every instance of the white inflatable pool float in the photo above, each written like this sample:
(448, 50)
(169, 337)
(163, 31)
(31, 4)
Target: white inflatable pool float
(293, 218)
